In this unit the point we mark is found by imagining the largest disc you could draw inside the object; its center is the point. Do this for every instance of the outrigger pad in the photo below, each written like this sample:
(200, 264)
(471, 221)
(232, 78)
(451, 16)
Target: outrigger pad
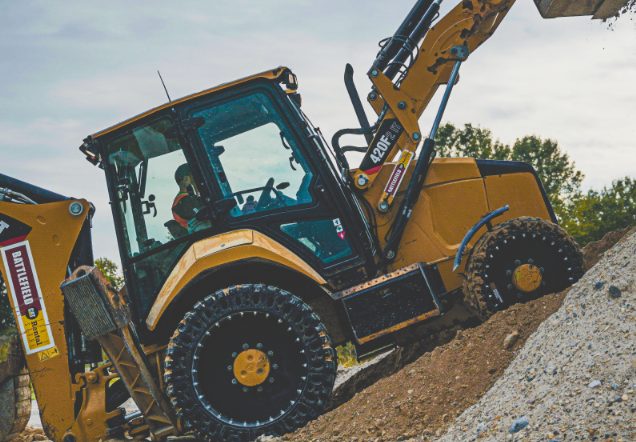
(96, 305)
(599, 9)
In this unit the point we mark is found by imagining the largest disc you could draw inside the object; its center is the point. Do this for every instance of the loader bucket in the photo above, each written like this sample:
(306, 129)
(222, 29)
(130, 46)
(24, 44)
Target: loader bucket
(598, 9)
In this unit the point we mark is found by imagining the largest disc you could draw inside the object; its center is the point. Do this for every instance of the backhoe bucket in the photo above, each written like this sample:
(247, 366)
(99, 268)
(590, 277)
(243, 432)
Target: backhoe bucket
(598, 9)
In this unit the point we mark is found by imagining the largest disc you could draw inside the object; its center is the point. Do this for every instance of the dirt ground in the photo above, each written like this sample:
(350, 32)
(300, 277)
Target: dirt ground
(425, 396)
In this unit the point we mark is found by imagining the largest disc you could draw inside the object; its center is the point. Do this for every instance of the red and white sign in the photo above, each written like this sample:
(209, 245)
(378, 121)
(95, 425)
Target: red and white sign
(339, 229)
(27, 297)
(399, 171)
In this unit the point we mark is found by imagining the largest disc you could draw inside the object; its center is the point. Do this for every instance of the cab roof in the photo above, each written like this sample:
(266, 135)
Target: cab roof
(271, 74)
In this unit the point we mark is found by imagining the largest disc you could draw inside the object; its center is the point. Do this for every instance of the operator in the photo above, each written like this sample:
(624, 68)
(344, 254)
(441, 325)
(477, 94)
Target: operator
(186, 206)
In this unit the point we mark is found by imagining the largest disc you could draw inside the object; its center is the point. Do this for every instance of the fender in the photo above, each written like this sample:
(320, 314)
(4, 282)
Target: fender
(229, 247)
(485, 220)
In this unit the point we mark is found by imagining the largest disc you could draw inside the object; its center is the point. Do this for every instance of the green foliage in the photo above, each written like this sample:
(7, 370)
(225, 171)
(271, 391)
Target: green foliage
(111, 272)
(347, 355)
(588, 217)
(560, 178)
(7, 319)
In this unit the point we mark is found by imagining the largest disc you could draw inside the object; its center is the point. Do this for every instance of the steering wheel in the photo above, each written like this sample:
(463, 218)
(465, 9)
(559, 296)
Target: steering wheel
(265, 201)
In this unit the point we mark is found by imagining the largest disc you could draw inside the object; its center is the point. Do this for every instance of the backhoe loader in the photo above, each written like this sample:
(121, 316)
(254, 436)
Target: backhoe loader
(250, 249)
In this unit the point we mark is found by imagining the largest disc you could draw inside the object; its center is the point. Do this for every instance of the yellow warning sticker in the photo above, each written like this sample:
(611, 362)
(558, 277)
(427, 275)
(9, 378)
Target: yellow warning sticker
(48, 354)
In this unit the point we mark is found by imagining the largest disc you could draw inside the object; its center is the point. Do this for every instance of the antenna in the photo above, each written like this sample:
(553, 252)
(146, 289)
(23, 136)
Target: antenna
(164, 87)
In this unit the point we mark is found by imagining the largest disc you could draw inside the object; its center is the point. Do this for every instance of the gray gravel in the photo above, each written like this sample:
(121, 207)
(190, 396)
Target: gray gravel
(575, 378)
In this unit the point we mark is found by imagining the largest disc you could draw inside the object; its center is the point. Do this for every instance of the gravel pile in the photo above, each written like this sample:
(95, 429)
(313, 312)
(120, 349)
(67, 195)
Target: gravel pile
(575, 378)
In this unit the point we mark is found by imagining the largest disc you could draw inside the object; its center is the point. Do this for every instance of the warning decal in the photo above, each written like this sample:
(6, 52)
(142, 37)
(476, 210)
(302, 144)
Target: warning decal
(27, 297)
(399, 171)
(339, 229)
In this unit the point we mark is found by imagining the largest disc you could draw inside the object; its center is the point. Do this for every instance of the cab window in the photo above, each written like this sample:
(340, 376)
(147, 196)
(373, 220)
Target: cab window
(253, 157)
(157, 195)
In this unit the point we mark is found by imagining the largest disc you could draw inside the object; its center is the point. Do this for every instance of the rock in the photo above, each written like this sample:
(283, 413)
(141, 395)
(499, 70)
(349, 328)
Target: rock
(594, 384)
(599, 285)
(519, 424)
(614, 292)
(511, 339)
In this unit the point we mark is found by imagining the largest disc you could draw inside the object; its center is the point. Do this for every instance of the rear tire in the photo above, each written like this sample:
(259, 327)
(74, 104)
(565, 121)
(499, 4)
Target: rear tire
(296, 365)
(511, 248)
(15, 404)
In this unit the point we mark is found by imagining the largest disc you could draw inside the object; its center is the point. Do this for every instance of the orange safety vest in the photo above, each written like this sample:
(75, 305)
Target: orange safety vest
(177, 218)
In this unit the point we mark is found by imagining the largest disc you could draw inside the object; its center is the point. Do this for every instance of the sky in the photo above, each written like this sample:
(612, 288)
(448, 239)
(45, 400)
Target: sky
(69, 69)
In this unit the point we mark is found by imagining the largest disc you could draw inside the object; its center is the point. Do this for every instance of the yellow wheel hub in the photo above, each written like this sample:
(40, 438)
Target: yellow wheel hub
(526, 278)
(251, 367)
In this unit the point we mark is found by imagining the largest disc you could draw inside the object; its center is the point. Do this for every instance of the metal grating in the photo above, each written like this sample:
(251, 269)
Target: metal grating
(88, 307)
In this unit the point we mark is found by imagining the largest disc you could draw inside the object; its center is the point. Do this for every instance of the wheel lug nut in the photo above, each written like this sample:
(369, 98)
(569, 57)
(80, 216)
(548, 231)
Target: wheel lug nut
(229, 368)
(235, 354)
(542, 282)
(517, 263)
(245, 346)
(259, 346)
(508, 272)
(541, 269)
(234, 381)
(531, 261)
(270, 353)
(245, 389)
(509, 286)
(275, 366)
(259, 388)
(271, 380)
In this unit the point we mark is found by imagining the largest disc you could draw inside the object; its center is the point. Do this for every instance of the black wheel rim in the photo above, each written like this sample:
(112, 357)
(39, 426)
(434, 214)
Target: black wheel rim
(506, 254)
(198, 365)
(214, 381)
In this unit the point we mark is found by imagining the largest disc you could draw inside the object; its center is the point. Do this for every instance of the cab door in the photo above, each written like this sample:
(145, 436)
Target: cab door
(251, 150)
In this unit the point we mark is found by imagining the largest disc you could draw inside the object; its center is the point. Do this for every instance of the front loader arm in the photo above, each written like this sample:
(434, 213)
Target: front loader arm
(401, 102)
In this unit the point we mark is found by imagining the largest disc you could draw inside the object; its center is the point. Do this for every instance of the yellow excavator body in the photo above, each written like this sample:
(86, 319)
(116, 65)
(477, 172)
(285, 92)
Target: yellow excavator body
(251, 249)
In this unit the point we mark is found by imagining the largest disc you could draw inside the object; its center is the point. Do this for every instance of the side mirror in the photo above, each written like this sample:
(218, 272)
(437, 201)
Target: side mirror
(215, 150)
(224, 206)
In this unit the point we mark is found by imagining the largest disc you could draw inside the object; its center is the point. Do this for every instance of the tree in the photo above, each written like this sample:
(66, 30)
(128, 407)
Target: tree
(558, 174)
(110, 271)
(588, 217)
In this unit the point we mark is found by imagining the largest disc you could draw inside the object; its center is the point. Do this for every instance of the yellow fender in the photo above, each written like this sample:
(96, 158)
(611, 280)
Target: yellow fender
(240, 245)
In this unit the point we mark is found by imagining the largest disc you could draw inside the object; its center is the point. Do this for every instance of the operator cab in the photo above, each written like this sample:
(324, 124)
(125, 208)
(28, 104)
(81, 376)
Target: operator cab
(241, 156)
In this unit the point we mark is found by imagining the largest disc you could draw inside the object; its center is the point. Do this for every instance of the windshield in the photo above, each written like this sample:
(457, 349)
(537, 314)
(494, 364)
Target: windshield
(253, 156)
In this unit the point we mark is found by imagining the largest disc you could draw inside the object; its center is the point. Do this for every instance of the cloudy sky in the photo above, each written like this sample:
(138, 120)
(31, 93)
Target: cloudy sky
(71, 68)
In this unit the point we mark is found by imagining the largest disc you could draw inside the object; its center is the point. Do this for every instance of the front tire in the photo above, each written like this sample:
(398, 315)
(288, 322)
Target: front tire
(517, 261)
(249, 360)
